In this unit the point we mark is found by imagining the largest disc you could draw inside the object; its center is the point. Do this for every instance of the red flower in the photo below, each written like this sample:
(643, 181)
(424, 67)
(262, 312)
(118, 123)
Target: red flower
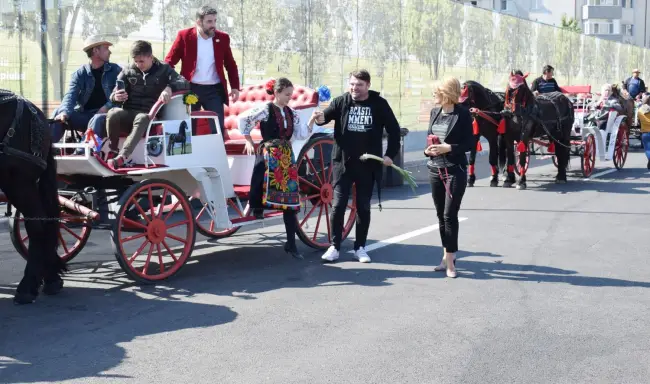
(293, 173)
(269, 85)
(277, 153)
(278, 175)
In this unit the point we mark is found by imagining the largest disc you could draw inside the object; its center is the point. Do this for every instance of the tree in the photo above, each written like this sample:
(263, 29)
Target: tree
(589, 58)
(110, 18)
(570, 23)
(477, 30)
(606, 63)
(567, 53)
(545, 45)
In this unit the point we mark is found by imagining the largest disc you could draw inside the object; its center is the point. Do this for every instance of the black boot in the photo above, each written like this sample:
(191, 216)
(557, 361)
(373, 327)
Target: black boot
(293, 251)
(27, 291)
(53, 286)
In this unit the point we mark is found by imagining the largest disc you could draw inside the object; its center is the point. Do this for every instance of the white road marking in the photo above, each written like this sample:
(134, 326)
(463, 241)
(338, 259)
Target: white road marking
(599, 174)
(404, 236)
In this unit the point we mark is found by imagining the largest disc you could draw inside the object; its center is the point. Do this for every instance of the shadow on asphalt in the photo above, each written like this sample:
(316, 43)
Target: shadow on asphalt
(79, 330)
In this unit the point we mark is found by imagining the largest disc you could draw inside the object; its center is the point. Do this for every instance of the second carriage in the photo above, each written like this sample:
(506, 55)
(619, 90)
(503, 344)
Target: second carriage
(589, 140)
(185, 178)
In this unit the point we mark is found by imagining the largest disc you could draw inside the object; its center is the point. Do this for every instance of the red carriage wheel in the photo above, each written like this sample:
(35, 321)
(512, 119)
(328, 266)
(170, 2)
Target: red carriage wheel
(317, 194)
(150, 242)
(588, 159)
(621, 146)
(74, 232)
(205, 224)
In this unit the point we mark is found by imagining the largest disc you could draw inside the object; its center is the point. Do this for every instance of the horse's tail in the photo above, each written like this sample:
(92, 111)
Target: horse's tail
(48, 192)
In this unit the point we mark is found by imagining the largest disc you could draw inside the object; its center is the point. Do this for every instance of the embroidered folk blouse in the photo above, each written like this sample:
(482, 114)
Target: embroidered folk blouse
(249, 119)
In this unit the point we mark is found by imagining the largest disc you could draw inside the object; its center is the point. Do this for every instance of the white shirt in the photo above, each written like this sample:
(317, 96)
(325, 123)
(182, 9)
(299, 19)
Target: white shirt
(206, 71)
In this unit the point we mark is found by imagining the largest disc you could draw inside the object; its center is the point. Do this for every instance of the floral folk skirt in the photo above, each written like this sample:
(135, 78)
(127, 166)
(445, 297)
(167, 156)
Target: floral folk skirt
(274, 183)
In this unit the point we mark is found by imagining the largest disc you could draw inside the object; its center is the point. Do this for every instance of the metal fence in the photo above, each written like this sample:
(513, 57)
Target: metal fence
(405, 44)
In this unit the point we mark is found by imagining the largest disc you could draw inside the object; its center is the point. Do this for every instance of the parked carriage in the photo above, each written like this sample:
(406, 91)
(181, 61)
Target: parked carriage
(587, 141)
(185, 178)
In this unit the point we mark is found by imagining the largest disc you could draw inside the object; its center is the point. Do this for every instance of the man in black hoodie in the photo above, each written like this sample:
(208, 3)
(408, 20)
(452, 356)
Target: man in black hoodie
(360, 117)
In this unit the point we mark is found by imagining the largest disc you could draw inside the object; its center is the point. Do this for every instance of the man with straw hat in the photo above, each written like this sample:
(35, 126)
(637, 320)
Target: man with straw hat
(634, 85)
(88, 98)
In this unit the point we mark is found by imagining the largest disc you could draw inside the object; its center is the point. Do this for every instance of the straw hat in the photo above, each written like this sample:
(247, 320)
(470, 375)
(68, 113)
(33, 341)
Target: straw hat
(95, 41)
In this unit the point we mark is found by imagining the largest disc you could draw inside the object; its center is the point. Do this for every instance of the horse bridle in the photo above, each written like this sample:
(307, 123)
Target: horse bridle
(5, 146)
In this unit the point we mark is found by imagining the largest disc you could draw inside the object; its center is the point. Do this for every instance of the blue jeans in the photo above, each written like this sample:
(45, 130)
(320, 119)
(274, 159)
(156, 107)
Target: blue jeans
(645, 139)
(80, 122)
(211, 98)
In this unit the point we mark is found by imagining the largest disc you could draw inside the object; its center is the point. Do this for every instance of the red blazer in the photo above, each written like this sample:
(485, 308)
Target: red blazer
(185, 49)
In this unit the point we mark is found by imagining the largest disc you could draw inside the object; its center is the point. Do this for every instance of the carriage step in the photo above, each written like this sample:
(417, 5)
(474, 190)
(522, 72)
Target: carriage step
(239, 222)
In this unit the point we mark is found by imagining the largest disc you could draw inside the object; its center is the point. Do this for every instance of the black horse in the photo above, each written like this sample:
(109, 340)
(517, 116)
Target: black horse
(488, 123)
(28, 179)
(548, 115)
(180, 137)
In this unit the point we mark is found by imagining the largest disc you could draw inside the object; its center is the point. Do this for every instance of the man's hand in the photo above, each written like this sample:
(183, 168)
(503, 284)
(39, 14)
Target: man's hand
(120, 96)
(234, 94)
(388, 161)
(318, 116)
(536, 93)
(165, 95)
(61, 117)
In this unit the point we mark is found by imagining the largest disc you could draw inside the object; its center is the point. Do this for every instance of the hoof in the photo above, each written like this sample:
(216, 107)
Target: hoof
(560, 181)
(521, 186)
(24, 298)
(471, 180)
(470, 184)
(507, 184)
(494, 183)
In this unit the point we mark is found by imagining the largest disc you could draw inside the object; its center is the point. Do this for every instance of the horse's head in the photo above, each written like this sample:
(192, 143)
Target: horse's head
(474, 95)
(517, 92)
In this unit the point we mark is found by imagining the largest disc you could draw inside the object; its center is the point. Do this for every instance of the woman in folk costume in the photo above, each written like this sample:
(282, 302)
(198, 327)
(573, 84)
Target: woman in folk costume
(274, 183)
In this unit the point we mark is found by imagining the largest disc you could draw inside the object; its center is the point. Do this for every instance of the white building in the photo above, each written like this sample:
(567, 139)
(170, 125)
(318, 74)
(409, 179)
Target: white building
(618, 20)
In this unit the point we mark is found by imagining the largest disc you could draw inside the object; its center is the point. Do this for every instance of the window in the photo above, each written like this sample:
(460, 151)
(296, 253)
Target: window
(629, 30)
(504, 5)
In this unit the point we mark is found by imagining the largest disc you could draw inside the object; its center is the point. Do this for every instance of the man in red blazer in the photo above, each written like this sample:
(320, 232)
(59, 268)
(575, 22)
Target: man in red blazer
(205, 51)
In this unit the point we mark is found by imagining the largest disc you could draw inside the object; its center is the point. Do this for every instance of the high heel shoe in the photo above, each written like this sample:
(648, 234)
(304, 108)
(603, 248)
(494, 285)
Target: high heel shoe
(443, 264)
(293, 252)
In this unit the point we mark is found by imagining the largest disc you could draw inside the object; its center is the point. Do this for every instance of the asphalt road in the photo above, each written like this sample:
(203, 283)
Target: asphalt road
(551, 289)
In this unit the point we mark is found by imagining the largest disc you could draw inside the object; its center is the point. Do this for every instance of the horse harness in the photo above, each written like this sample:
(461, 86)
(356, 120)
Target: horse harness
(37, 131)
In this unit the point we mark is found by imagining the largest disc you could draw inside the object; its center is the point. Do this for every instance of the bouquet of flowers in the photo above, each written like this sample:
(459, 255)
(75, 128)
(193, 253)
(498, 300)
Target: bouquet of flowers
(190, 98)
(405, 174)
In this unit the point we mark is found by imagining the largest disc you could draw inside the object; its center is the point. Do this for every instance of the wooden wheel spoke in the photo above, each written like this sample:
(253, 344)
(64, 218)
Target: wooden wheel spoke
(176, 238)
(160, 259)
(146, 263)
(150, 198)
(25, 238)
(308, 215)
(322, 163)
(65, 228)
(184, 222)
(313, 168)
(139, 208)
(62, 241)
(134, 223)
(320, 215)
(310, 197)
(164, 243)
(134, 237)
(137, 253)
(162, 204)
(171, 211)
(309, 183)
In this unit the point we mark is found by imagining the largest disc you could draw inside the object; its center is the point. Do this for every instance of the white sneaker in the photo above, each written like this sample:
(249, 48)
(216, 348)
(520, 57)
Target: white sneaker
(362, 255)
(331, 254)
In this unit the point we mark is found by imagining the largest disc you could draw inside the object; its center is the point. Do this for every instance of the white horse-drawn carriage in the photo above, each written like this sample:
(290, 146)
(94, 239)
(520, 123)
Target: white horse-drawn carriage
(184, 177)
(609, 141)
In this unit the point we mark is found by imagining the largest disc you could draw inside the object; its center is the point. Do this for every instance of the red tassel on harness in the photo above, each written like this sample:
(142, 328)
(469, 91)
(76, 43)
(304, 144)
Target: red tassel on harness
(494, 170)
(501, 129)
(475, 127)
(551, 148)
(471, 169)
(479, 147)
(521, 147)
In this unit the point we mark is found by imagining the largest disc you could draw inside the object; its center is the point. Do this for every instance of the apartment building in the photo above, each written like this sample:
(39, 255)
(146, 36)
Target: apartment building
(618, 20)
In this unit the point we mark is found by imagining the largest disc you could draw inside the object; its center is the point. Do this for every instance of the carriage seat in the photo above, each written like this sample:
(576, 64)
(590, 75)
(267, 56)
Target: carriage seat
(251, 96)
(173, 110)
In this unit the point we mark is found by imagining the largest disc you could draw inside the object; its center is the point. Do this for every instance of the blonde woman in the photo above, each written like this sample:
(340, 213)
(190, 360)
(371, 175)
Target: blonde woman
(449, 138)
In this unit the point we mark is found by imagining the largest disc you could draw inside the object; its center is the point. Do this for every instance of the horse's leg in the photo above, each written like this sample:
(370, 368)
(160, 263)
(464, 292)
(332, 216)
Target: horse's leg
(562, 153)
(523, 156)
(23, 194)
(502, 170)
(48, 193)
(493, 138)
(472, 160)
(509, 149)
